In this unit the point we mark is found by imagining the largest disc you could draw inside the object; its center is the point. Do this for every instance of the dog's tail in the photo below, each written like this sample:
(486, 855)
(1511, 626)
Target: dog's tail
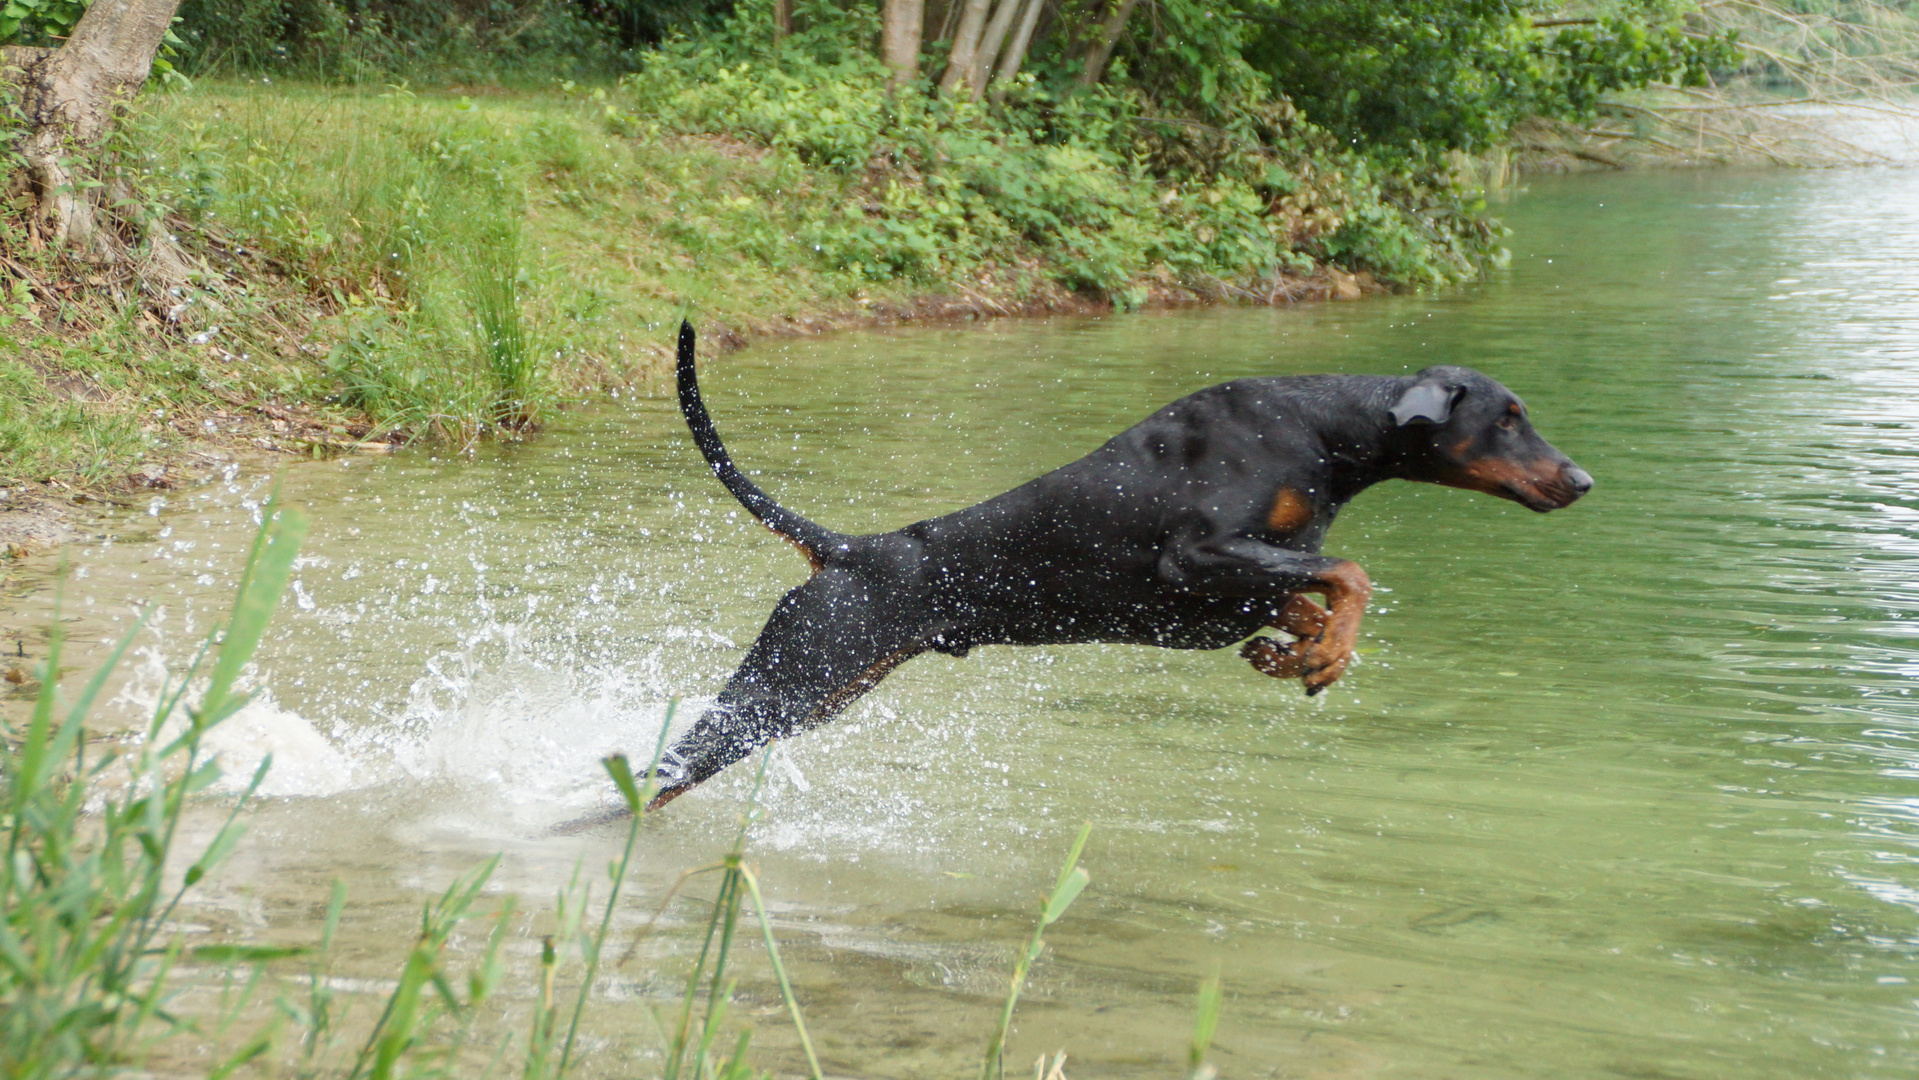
(812, 540)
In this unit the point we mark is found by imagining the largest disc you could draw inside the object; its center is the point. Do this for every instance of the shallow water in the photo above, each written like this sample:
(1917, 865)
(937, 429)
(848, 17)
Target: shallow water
(1628, 789)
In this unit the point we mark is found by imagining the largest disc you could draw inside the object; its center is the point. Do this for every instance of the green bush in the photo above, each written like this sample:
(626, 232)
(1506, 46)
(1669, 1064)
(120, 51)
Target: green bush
(1408, 77)
(379, 41)
(1092, 187)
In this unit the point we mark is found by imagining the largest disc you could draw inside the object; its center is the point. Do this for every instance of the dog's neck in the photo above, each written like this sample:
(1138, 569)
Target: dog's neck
(1363, 444)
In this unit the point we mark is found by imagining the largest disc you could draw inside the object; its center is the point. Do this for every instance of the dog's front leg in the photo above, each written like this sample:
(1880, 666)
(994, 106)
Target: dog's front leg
(1246, 566)
(1301, 618)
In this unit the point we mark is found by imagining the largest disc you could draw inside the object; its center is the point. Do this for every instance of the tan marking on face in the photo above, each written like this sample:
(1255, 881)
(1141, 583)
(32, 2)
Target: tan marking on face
(1491, 474)
(1498, 476)
(1291, 511)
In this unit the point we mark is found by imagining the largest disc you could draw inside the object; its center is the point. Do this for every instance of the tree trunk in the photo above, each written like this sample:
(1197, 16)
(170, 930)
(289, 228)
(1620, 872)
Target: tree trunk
(782, 20)
(68, 100)
(965, 45)
(989, 46)
(1015, 54)
(1101, 50)
(902, 23)
(949, 18)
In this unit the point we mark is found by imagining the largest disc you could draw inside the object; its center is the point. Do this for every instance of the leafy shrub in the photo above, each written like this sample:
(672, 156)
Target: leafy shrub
(1406, 77)
(382, 40)
(1091, 186)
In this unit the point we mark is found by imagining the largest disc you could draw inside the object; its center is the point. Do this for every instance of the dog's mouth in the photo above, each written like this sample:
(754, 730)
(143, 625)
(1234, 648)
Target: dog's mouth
(1542, 496)
(1546, 485)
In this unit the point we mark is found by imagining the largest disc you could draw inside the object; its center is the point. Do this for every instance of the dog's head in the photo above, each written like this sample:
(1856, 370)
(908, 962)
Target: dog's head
(1470, 432)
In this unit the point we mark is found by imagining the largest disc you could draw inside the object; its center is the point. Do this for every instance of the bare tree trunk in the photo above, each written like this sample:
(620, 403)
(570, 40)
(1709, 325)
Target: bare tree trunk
(1101, 50)
(965, 45)
(782, 20)
(902, 22)
(1015, 53)
(989, 44)
(949, 16)
(68, 99)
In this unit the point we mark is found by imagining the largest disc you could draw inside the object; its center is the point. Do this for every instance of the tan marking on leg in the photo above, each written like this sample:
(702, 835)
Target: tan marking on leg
(667, 796)
(867, 680)
(1347, 588)
(1292, 510)
(1301, 617)
(1279, 659)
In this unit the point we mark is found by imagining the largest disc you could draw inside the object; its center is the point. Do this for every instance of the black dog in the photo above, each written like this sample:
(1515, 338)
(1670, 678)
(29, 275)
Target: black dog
(1191, 530)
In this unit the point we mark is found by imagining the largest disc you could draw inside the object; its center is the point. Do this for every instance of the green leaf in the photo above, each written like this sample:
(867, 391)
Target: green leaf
(269, 567)
(1064, 895)
(622, 775)
(245, 954)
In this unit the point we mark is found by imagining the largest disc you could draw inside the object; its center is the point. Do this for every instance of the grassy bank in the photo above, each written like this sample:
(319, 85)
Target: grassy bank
(377, 266)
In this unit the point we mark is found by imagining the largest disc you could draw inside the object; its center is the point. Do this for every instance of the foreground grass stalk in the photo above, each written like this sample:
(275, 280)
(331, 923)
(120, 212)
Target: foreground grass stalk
(636, 799)
(410, 1011)
(779, 972)
(1072, 880)
(1205, 1022)
(736, 879)
(83, 964)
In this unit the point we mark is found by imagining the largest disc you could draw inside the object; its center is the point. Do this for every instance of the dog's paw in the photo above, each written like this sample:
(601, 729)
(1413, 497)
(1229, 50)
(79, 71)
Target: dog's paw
(1323, 664)
(1270, 656)
(672, 772)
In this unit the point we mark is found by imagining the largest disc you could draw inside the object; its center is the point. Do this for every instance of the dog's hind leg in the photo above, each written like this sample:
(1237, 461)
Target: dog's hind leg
(829, 641)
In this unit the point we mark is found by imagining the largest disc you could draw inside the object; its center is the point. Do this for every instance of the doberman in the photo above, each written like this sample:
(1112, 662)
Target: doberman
(1193, 529)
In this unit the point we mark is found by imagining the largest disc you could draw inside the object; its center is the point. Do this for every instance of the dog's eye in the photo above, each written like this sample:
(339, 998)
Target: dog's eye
(1507, 423)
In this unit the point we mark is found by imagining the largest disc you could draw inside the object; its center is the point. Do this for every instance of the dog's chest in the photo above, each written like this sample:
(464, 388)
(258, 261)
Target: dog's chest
(1298, 516)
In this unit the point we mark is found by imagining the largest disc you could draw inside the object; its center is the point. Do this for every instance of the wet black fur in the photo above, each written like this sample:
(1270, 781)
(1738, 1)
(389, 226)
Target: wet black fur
(1159, 537)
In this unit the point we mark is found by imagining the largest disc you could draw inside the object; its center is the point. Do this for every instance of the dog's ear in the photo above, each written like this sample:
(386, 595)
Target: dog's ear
(1429, 400)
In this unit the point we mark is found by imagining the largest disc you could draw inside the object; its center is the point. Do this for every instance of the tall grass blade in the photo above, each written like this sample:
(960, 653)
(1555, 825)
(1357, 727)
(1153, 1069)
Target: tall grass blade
(622, 774)
(1071, 882)
(779, 972)
(269, 566)
(1205, 1022)
(29, 776)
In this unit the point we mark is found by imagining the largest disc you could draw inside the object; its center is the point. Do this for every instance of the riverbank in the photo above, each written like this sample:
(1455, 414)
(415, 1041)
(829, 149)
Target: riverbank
(374, 269)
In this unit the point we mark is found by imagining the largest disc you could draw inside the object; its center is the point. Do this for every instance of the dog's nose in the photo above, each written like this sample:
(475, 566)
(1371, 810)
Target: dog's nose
(1578, 479)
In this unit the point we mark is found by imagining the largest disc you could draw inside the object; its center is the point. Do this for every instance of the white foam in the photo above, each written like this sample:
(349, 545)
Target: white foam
(531, 734)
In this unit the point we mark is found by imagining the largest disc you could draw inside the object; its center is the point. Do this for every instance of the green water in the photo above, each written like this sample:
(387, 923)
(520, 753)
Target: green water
(1631, 789)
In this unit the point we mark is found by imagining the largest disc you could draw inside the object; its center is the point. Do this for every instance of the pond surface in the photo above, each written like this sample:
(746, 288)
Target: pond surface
(1631, 789)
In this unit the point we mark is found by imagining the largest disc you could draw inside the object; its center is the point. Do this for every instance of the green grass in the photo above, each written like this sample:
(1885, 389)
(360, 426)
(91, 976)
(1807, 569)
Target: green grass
(85, 949)
(390, 263)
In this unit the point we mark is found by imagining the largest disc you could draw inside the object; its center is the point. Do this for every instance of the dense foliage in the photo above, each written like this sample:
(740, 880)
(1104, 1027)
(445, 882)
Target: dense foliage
(1226, 140)
(1093, 185)
(1457, 74)
(1402, 73)
(1219, 144)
